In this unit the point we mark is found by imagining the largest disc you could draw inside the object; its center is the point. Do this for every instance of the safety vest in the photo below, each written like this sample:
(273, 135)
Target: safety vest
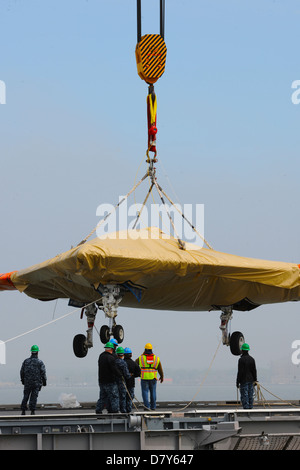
(148, 365)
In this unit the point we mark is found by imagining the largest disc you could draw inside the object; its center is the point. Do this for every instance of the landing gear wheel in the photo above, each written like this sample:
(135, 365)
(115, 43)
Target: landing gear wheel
(118, 333)
(79, 346)
(104, 334)
(235, 342)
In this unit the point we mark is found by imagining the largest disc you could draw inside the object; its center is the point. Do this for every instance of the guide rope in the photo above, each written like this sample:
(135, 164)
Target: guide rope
(260, 397)
(46, 324)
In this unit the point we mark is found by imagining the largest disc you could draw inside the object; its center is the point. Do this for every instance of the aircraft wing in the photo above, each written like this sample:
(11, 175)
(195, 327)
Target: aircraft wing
(156, 274)
(5, 282)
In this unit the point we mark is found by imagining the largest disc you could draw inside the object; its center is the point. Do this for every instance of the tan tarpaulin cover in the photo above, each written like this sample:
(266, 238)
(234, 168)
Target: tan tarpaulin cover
(170, 278)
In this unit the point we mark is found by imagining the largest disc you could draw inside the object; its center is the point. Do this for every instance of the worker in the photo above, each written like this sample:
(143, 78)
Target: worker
(33, 377)
(115, 343)
(149, 364)
(246, 377)
(135, 371)
(108, 373)
(121, 364)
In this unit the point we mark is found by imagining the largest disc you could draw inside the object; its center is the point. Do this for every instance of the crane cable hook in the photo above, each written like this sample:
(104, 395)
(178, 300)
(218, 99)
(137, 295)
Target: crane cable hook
(151, 52)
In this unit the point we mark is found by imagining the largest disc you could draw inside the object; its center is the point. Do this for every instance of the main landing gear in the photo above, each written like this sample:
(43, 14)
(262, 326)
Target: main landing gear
(111, 297)
(234, 340)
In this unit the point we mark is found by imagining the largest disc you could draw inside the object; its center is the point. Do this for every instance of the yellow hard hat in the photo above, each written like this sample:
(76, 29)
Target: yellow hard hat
(148, 346)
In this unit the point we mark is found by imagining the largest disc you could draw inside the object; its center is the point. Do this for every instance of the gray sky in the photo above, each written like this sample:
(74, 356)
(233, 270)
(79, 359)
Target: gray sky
(73, 136)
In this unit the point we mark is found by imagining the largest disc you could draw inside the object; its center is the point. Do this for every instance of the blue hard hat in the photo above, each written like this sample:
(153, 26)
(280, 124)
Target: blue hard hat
(113, 340)
(127, 351)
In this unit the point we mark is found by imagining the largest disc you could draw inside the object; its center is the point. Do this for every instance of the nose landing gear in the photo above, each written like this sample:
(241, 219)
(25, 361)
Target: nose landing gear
(111, 297)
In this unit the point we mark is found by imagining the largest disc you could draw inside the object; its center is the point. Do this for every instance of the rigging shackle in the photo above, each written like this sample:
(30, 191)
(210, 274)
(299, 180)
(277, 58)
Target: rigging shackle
(151, 50)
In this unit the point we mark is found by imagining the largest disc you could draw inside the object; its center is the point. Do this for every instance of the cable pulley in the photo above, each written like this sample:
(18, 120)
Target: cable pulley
(151, 50)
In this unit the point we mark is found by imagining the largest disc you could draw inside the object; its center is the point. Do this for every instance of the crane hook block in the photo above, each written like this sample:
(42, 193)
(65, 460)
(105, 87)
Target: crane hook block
(151, 53)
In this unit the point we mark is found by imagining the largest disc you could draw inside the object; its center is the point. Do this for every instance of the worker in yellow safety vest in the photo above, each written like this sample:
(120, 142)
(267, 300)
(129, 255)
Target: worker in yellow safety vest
(150, 365)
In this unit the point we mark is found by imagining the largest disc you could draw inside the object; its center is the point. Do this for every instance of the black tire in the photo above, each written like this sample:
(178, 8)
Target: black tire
(79, 346)
(235, 342)
(118, 333)
(104, 334)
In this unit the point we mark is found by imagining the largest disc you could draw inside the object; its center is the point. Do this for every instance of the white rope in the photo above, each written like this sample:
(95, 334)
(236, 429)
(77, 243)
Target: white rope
(38, 327)
(45, 324)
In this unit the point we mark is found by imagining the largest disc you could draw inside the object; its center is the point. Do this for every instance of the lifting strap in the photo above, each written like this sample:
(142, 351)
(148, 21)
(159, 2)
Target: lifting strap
(151, 118)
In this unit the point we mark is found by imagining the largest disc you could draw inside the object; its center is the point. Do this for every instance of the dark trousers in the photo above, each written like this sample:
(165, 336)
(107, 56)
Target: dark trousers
(109, 398)
(247, 395)
(122, 396)
(31, 393)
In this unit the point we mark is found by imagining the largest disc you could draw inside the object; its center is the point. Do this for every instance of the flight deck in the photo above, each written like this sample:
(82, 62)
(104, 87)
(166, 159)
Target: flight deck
(172, 427)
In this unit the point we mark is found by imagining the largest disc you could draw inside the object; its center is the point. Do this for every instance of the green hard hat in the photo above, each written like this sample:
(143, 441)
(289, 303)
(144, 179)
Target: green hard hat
(245, 347)
(34, 348)
(120, 350)
(109, 345)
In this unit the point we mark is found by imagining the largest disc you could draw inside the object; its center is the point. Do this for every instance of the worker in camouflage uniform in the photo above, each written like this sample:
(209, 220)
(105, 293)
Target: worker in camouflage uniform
(122, 366)
(135, 371)
(33, 376)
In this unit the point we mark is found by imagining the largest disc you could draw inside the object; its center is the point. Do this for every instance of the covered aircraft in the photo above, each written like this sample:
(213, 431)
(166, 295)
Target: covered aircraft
(148, 270)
